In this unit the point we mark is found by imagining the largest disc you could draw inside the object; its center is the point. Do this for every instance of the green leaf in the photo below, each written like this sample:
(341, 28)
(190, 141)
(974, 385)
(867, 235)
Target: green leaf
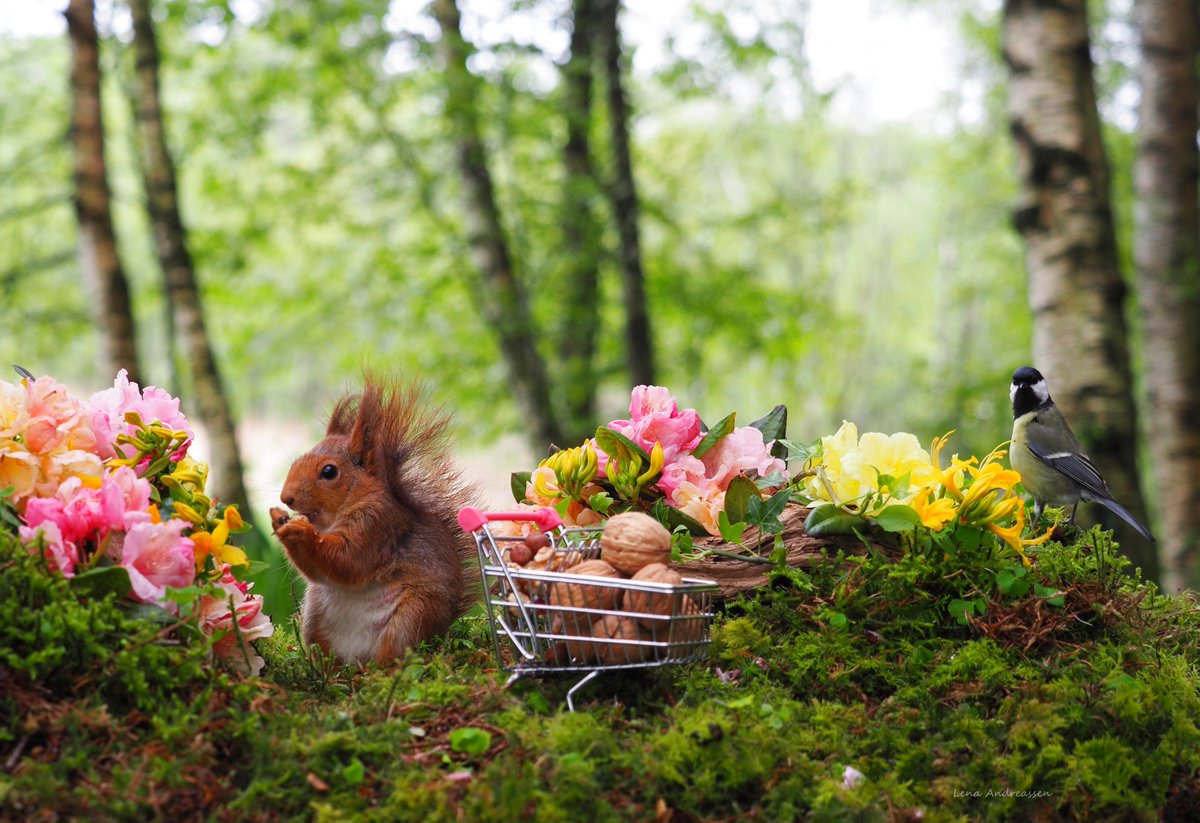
(101, 580)
(1004, 580)
(1053, 597)
(741, 490)
(600, 502)
(826, 520)
(148, 612)
(922, 654)
(837, 620)
(610, 442)
(714, 434)
(354, 773)
(258, 567)
(773, 426)
(730, 532)
(764, 514)
(897, 519)
(517, 482)
(470, 740)
(896, 486)
(673, 518)
(801, 451)
(7, 513)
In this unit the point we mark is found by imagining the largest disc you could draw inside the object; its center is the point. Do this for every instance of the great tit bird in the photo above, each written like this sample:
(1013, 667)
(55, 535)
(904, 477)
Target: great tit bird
(1051, 462)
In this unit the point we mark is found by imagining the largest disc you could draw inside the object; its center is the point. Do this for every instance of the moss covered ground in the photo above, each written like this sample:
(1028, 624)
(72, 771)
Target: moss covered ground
(959, 687)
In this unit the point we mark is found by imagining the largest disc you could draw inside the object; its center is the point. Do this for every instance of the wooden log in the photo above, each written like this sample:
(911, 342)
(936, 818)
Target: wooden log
(739, 576)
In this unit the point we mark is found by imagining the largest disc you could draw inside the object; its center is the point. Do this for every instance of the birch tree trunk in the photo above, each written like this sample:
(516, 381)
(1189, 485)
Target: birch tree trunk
(639, 346)
(1167, 233)
(1080, 338)
(581, 233)
(179, 276)
(504, 304)
(99, 261)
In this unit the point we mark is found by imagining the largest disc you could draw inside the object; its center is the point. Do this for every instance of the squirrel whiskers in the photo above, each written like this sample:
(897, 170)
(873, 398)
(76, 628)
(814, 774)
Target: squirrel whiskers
(375, 530)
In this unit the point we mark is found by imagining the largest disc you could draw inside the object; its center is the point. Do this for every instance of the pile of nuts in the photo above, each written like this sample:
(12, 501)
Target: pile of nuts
(633, 546)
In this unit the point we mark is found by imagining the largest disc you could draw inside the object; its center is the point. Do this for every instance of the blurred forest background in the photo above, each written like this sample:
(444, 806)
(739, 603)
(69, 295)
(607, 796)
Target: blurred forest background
(870, 210)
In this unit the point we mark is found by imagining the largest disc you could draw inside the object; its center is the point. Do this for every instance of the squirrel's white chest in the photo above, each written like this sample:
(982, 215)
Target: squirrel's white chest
(353, 621)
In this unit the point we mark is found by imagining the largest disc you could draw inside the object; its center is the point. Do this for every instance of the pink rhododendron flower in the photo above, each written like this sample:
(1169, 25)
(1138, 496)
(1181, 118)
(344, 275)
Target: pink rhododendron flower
(218, 613)
(61, 554)
(55, 418)
(645, 401)
(742, 451)
(59, 465)
(90, 510)
(656, 418)
(74, 509)
(109, 407)
(124, 499)
(703, 503)
(685, 470)
(157, 555)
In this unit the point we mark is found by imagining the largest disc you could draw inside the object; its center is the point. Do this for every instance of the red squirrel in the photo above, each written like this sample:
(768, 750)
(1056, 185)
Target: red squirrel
(374, 530)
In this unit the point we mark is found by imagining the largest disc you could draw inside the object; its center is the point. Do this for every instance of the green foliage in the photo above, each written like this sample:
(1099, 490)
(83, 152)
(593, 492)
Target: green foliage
(862, 662)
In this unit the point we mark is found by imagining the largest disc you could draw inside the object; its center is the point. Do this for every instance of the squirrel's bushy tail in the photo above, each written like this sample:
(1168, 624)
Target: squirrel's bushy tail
(395, 430)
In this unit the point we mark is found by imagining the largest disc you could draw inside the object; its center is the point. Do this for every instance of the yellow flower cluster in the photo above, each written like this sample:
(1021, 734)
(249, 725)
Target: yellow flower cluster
(209, 538)
(847, 473)
(976, 493)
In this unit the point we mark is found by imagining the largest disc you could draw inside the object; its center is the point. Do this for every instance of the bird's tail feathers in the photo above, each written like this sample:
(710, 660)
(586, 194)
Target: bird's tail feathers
(1121, 512)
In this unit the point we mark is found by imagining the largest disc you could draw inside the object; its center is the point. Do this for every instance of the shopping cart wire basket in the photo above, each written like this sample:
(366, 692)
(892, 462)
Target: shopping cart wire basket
(543, 620)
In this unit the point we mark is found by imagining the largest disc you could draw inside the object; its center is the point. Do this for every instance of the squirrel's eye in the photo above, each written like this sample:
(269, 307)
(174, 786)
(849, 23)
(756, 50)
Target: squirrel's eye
(328, 471)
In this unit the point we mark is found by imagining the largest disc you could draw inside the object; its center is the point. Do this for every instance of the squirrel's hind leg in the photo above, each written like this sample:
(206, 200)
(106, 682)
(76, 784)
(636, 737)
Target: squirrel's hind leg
(416, 618)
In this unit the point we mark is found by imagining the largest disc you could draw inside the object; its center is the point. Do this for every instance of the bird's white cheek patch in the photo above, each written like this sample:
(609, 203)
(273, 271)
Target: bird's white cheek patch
(1040, 390)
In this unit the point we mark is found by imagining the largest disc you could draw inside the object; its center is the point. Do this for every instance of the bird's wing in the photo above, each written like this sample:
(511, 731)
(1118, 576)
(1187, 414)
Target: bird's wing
(1074, 464)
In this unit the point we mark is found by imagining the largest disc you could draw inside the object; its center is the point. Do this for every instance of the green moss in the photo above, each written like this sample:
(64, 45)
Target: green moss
(1089, 709)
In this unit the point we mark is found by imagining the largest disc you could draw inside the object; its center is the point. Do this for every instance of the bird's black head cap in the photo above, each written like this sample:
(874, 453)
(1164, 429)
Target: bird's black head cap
(1029, 391)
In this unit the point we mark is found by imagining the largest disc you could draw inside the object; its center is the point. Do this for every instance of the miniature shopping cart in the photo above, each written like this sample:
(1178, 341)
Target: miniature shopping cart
(545, 620)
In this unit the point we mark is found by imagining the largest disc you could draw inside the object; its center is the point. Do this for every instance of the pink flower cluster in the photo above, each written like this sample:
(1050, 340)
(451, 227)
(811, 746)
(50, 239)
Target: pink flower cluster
(52, 452)
(57, 456)
(695, 486)
(217, 614)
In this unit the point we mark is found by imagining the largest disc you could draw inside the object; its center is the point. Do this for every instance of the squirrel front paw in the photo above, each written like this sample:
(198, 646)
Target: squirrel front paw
(278, 518)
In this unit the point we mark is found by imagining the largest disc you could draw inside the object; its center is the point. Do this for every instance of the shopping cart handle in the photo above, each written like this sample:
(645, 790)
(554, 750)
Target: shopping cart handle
(472, 519)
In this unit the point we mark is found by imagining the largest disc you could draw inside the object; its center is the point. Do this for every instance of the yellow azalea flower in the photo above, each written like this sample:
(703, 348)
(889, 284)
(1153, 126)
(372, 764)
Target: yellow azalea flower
(543, 486)
(189, 473)
(952, 477)
(850, 466)
(186, 512)
(934, 513)
(656, 464)
(214, 542)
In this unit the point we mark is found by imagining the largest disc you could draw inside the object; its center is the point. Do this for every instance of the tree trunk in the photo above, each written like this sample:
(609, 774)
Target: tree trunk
(1165, 248)
(639, 348)
(505, 308)
(179, 276)
(1080, 341)
(98, 258)
(581, 234)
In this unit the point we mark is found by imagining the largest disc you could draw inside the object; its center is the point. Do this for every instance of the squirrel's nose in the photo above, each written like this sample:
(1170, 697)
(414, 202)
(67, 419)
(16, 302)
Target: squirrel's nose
(287, 499)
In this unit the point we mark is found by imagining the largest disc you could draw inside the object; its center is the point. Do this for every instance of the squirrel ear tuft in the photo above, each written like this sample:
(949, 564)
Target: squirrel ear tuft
(342, 420)
(368, 413)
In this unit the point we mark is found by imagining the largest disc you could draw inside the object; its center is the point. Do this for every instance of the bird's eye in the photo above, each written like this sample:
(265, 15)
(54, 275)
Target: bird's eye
(329, 471)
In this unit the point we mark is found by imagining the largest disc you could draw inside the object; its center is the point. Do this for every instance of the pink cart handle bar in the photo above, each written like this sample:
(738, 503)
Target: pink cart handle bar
(472, 519)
